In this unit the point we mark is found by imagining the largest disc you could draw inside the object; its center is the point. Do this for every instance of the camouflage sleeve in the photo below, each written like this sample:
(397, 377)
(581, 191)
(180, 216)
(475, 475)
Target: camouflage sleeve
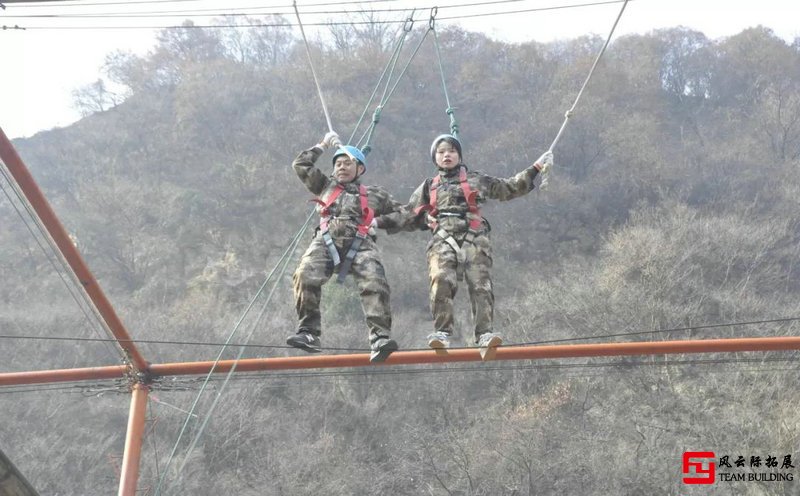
(507, 189)
(403, 217)
(384, 203)
(314, 179)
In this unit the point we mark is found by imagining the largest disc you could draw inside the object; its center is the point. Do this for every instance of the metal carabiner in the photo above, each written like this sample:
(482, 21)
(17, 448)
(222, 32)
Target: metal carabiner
(409, 24)
(432, 20)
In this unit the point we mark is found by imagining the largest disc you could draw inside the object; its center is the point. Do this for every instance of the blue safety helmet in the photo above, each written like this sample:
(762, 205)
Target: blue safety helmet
(450, 139)
(351, 151)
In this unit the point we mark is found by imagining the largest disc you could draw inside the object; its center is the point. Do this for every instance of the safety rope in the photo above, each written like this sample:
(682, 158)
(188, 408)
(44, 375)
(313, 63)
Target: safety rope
(313, 72)
(396, 82)
(450, 111)
(569, 112)
(285, 257)
(390, 66)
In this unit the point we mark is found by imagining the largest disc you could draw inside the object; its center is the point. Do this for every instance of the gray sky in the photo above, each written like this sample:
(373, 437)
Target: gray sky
(41, 67)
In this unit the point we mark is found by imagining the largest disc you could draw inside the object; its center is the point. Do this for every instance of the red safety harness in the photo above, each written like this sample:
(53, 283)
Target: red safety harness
(367, 214)
(475, 219)
(474, 216)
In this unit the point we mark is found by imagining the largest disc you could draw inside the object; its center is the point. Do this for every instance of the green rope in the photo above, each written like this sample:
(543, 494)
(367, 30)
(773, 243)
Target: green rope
(450, 111)
(283, 259)
(390, 69)
(389, 95)
(201, 430)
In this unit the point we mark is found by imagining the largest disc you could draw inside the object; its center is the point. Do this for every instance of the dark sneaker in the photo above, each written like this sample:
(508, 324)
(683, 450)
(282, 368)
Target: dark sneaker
(381, 349)
(439, 340)
(305, 341)
(489, 340)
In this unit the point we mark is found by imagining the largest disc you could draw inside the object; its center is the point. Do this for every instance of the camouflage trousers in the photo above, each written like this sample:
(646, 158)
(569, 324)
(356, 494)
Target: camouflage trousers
(443, 273)
(316, 268)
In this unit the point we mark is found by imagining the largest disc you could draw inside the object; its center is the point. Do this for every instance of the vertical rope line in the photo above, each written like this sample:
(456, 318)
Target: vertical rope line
(399, 78)
(568, 114)
(388, 68)
(313, 71)
(450, 110)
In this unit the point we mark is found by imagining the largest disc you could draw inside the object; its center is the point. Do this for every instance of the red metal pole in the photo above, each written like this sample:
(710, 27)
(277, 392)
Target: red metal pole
(48, 217)
(133, 441)
(62, 375)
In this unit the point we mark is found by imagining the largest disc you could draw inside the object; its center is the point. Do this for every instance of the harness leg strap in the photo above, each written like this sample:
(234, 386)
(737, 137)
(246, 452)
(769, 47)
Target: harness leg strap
(334, 253)
(461, 256)
(348, 259)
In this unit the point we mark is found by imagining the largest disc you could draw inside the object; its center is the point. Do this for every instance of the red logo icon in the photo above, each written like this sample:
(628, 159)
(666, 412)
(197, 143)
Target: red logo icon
(702, 474)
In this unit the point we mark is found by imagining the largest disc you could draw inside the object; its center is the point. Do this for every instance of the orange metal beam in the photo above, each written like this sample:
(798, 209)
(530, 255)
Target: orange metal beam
(48, 217)
(62, 375)
(472, 355)
(129, 477)
(412, 357)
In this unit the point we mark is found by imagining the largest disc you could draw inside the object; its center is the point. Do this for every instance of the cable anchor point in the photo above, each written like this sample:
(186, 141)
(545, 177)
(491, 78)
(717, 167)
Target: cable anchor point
(432, 20)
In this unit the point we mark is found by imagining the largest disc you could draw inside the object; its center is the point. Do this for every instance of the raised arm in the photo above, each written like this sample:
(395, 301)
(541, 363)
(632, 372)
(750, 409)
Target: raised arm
(315, 180)
(518, 185)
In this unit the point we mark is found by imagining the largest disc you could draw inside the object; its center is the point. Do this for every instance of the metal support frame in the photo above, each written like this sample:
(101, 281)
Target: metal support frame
(33, 194)
(129, 475)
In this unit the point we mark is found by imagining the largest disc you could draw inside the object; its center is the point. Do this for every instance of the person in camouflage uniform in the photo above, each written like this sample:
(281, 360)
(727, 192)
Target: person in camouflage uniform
(345, 243)
(447, 204)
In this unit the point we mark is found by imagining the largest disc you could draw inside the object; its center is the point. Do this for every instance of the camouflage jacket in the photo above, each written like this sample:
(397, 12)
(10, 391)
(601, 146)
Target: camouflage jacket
(345, 212)
(451, 203)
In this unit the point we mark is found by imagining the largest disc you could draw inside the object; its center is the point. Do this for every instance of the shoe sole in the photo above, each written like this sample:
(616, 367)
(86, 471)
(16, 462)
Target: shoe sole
(439, 346)
(383, 353)
(488, 350)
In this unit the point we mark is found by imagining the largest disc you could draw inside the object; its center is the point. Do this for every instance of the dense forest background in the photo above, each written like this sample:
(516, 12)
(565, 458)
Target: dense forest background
(674, 203)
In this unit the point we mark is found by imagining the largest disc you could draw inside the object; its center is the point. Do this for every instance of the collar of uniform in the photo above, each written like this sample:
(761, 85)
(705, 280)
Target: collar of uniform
(451, 173)
(355, 183)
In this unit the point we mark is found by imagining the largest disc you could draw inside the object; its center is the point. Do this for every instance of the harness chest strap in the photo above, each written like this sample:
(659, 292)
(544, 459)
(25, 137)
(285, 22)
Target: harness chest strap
(367, 214)
(475, 218)
(324, 218)
(469, 195)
